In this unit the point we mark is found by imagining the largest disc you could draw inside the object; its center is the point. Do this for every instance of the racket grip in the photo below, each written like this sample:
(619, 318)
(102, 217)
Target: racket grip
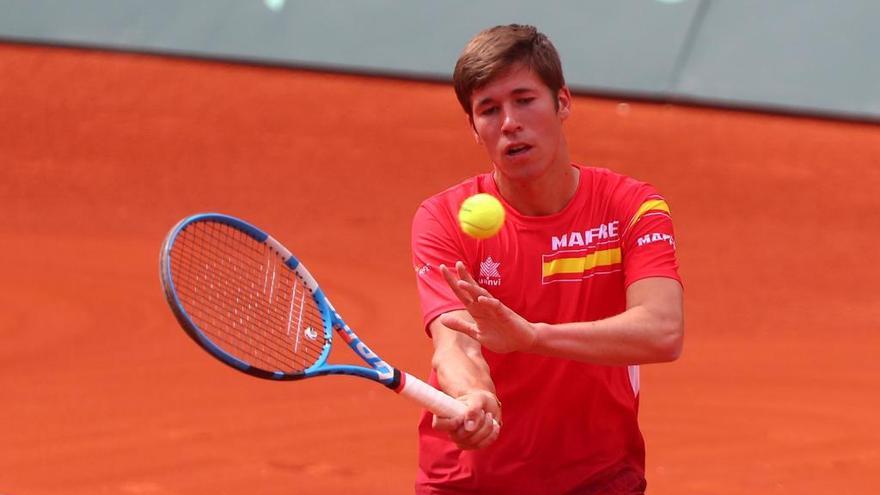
(430, 398)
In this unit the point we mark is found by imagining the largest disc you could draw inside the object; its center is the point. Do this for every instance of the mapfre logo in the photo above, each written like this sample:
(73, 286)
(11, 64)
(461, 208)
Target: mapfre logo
(585, 238)
(655, 237)
(489, 274)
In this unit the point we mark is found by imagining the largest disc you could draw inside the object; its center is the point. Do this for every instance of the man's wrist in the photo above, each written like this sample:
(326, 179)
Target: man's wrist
(539, 330)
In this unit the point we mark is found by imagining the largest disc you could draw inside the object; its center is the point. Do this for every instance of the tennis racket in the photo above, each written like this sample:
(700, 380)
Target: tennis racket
(245, 299)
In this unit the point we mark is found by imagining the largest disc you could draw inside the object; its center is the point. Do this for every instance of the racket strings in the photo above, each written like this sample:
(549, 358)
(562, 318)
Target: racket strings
(257, 350)
(242, 295)
(276, 284)
(248, 315)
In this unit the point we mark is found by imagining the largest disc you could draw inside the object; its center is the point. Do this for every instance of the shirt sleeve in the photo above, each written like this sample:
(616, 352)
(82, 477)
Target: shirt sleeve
(648, 237)
(433, 245)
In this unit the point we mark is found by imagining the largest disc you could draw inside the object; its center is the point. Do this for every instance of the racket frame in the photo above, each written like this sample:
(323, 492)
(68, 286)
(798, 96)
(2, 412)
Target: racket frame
(403, 383)
(379, 370)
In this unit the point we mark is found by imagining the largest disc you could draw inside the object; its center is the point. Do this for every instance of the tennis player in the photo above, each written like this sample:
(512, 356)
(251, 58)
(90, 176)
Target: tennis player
(541, 328)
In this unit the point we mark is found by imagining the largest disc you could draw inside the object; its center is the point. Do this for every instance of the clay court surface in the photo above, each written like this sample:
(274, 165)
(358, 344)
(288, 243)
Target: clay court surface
(101, 153)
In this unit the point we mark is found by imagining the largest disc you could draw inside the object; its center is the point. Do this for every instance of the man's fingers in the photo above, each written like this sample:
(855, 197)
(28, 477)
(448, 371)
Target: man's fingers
(446, 274)
(476, 434)
(462, 283)
(489, 439)
(463, 295)
(478, 427)
(446, 424)
(493, 430)
(494, 304)
(460, 325)
(472, 289)
(464, 274)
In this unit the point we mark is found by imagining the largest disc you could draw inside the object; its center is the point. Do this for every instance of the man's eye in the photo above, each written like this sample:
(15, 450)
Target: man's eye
(526, 100)
(488, 111)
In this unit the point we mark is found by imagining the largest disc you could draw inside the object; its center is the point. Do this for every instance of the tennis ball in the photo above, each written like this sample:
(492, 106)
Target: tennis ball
(481, 216)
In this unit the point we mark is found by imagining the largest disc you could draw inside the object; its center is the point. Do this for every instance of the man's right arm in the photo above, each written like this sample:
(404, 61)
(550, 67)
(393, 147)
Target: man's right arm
(463, 373)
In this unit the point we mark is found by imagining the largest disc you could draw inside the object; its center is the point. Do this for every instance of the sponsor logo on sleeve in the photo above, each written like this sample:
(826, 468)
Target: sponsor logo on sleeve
(422, 270)
(655, 237)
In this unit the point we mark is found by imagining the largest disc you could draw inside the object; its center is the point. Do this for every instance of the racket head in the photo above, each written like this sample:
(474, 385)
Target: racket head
(245, 299)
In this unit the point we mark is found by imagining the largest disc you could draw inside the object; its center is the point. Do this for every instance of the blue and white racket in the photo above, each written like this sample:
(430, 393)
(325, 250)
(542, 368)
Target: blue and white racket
(245, 299)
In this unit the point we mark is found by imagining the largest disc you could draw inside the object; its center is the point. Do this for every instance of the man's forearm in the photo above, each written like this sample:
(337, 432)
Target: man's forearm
(636, 336)
(461, 372)
(464, 374)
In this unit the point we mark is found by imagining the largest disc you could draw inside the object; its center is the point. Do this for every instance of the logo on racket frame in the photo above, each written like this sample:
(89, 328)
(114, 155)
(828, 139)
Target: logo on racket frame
(385, 371)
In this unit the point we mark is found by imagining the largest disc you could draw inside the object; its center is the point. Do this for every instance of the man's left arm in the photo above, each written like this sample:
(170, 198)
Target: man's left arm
(650, 330)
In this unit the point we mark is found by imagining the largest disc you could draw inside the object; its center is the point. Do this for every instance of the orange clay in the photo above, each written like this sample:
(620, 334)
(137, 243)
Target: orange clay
(776, 222)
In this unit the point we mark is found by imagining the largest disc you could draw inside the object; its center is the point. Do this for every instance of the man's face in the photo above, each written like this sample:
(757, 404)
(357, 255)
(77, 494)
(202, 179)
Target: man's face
(519, 122)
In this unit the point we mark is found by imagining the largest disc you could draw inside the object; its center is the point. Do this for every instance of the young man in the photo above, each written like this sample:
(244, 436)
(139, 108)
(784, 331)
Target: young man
(539, 330)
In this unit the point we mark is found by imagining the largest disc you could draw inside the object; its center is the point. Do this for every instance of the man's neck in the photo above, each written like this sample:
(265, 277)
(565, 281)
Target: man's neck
(541, 196)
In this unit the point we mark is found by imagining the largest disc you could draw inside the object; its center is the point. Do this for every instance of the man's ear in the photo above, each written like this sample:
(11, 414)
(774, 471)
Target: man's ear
(470, 123)
(563, 101)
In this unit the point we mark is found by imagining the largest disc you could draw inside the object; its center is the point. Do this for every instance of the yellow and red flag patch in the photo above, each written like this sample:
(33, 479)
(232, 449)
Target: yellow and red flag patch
(580, 264)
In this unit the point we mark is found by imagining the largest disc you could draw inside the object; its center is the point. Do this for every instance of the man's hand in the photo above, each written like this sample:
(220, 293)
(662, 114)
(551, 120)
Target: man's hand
(479, 427)
(495, 326)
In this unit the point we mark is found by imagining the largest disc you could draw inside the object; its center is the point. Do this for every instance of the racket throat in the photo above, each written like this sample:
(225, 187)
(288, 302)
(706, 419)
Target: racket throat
(386, 374)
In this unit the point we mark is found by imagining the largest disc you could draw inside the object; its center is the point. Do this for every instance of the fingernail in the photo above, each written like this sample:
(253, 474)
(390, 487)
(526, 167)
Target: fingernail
(470, 425)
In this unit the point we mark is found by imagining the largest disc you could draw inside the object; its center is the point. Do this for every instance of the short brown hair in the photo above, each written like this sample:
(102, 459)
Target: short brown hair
(493, 51)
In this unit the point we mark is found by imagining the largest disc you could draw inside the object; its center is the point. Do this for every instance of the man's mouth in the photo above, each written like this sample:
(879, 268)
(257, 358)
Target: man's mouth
(517, 149)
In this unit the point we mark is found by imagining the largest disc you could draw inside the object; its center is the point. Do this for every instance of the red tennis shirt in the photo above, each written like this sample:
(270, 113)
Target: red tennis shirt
(569, 427)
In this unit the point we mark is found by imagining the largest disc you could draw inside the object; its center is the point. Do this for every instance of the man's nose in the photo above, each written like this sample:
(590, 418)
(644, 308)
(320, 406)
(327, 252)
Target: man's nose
(511, 121)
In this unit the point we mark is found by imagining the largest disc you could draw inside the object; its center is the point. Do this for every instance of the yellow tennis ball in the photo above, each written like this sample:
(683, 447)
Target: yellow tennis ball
(481, 216)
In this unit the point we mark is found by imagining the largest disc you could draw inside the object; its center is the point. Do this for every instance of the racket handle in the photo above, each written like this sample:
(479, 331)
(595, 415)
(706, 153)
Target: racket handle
(430, 398)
